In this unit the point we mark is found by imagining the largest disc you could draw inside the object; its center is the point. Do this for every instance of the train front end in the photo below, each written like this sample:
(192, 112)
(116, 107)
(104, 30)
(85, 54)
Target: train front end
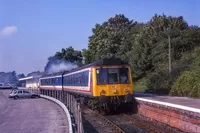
(112, 84)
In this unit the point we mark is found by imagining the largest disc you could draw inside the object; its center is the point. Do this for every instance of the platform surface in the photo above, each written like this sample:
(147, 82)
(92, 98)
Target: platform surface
(184, 101)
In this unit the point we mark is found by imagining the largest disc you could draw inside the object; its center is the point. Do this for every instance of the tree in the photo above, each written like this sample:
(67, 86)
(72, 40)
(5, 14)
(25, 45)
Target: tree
(110, 39)
(68, 55)
(149, 55)
(187, 84)
(35, 73)
(88, 57)
(10, 77)
(140, 57)
(19, 76)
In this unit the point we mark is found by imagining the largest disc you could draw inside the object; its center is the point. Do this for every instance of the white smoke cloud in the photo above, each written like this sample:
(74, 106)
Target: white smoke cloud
(8, 31)
(62, 66)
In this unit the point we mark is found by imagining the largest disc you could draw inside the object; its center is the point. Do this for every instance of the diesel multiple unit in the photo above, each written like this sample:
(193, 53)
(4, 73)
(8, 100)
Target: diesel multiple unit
(107, 81)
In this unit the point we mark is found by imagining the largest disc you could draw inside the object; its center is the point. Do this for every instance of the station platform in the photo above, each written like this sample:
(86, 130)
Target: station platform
(191, 103)
(180, 112)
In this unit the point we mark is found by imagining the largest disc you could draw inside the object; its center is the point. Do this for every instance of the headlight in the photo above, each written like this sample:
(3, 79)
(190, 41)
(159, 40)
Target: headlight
(115, 91)
(102, 92)
(126, 90)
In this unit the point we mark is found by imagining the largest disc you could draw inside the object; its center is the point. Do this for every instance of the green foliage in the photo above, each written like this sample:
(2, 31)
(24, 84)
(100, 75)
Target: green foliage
(71, 55)
(88, 57)
(139, 55)
(140, 85)
(188, 83)
(150, 45)
(149, 54)
(111, 39)
(65, 55)
(160, 80)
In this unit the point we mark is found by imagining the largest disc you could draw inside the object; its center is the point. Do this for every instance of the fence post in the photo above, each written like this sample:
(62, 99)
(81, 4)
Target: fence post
(80, 118)
(71, 102)
(77, 118)
(68, 100)
(60, 95)
(65, 96)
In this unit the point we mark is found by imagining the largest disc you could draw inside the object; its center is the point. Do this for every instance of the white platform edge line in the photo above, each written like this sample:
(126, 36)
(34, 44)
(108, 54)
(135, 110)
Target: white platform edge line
(170, 105)
(64, 108)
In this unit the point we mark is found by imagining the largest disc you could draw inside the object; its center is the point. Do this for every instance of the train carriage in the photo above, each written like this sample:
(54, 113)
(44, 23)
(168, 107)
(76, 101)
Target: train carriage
(51, 82)
(108, 81)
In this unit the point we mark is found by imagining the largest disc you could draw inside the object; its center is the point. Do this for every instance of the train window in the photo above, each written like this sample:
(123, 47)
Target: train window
(64, 81)
(102, 77)
(79, 79)
(74, 78)
(86, 77)
(113, 75)
(49, 81)
(60, 81)
(82, 79)
(57, 82)
(46, 81)
(67, 80)
(71, 80)
(124, 78)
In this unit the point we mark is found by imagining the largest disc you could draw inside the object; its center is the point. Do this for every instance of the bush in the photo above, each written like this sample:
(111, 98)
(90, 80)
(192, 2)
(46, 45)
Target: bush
(187, 67)
(188, 84)
(140, 85)
(161, 80)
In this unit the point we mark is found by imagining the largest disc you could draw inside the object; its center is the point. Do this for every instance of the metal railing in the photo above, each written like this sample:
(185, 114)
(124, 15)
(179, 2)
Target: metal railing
(70, 102)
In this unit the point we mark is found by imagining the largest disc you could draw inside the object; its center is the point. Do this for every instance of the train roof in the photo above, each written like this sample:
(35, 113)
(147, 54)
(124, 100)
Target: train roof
(102, 62)
(52, 74)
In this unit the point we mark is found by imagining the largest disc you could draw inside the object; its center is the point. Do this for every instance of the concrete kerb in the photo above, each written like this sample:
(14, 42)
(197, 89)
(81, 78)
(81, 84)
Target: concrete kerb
(64, 108)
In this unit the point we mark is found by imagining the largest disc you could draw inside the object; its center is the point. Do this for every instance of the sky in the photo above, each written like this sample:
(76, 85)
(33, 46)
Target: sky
(33, 30)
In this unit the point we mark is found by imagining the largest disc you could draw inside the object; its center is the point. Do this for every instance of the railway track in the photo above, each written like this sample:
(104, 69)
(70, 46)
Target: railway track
(136, 123)
(121, 123)
(99, 122)
(141, 124)
(130, 125)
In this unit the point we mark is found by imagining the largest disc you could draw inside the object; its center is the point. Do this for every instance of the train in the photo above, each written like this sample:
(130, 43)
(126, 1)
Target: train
(104, 84)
